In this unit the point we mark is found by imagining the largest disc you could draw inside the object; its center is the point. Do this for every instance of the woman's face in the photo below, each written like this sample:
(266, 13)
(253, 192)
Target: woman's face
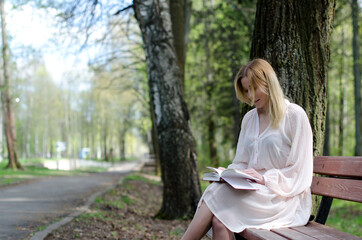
(261, 100)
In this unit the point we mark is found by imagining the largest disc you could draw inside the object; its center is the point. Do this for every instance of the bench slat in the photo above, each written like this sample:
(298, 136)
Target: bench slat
(260, 234)
(332, 232)
(310, 231)
(346, 189)
(292, 234)
(340, 166)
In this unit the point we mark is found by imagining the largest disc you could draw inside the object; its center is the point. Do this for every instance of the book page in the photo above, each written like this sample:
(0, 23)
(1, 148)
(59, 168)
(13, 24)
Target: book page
(211, 177)
(219, 171)
(230, 172)
(240, 183)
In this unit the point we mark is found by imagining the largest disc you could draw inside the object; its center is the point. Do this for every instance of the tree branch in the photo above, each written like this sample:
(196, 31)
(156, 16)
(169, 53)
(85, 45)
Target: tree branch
(123, 9)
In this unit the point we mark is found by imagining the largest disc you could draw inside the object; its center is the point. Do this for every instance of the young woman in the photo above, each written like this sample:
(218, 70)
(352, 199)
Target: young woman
(275, 146)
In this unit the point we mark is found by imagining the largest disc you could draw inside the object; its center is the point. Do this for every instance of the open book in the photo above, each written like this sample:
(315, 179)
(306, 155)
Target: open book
(236, 178)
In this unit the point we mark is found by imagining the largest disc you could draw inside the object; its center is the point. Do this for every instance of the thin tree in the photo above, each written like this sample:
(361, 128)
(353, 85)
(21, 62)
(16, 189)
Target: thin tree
(9, 119)
(181, 186)
(357, 78)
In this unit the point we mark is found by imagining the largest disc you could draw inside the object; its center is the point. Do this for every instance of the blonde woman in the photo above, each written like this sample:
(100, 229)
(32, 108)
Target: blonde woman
(275, 146)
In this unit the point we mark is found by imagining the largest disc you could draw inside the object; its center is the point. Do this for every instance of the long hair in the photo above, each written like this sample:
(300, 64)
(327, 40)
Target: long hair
(262, 75)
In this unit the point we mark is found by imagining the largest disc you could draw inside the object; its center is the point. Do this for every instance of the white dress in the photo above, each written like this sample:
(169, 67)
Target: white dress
(284, 156)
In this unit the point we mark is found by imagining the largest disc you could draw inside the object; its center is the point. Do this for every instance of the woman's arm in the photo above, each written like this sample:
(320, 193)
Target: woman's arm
(296, 177)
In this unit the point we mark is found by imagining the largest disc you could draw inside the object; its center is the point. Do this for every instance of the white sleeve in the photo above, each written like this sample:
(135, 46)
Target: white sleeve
(296, 177)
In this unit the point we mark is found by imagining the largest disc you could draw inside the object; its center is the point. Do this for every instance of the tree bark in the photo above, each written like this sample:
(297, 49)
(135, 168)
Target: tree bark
(357, 79)
(155, 146)
(181, 186)
(294, 37)
(9, 118)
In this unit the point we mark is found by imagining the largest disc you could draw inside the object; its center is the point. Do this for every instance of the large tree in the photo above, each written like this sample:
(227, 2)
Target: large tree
(294, 37)
(181, 187)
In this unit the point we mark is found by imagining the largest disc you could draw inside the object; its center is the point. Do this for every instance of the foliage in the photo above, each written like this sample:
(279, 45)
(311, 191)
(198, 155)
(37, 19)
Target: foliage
(103, 109)
(220, 41)
(340, 84)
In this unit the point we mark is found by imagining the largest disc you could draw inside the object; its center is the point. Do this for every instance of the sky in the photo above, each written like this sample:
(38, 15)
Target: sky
(35, 28)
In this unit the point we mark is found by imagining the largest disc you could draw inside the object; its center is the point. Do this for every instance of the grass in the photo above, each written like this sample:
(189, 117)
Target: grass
(35, 170)
(136, 177)
(346, 216)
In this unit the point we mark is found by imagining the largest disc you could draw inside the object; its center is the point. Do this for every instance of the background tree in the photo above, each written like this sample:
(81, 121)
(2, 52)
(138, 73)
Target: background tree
(341, 102)
(181, 186)
(6, 99)
(357, 78)
(220, 41)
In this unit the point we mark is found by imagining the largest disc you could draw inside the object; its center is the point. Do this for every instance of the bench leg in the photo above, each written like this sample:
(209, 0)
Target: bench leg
(323, 210)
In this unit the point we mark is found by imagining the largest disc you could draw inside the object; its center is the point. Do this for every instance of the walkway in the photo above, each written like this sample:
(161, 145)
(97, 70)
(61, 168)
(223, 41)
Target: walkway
(28, 208)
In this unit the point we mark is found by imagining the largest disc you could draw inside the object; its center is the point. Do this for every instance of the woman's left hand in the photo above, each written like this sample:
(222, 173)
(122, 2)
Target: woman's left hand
(253, 173)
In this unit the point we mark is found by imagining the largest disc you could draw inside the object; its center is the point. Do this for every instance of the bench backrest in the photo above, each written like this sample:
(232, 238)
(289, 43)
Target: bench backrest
(338, 177)
(343, 177)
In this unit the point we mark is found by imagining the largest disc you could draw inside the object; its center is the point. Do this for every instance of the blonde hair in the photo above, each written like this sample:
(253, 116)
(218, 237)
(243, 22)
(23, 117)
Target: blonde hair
(262, 75)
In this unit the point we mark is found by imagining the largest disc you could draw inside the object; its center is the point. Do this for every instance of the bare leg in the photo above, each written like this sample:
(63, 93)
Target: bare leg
(219, 231)
(200, 224)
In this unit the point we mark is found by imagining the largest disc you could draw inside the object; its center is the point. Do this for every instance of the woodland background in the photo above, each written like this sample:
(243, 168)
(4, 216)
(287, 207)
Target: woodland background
(108, 107)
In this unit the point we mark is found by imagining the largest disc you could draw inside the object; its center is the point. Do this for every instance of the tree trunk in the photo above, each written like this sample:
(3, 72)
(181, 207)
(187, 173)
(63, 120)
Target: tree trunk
(357, 79)
(212, 142)
(180, 11)
(105, 133)
(209, 87)
(294, 37)
(122, 142)
(9, 118)
(156, 150)
(181, 185)
(326, 144)
(342, 81)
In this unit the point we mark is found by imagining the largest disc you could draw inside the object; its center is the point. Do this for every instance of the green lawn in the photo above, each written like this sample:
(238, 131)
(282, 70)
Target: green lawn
(346, 216)
(35, 170)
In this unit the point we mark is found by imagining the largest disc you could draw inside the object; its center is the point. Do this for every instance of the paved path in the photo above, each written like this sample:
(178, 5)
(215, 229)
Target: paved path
(26, 208)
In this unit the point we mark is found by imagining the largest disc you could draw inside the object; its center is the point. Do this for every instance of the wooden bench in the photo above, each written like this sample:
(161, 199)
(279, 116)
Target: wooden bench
(338, 177)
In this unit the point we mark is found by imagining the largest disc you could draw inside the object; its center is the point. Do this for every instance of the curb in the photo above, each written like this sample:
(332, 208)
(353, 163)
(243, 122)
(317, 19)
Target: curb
(41, 235)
